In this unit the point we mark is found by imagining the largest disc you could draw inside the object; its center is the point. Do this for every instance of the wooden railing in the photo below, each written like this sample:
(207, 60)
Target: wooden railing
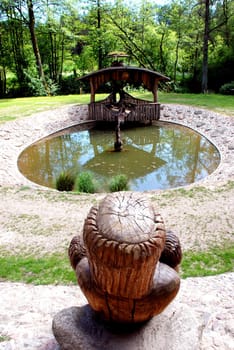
(135, 110)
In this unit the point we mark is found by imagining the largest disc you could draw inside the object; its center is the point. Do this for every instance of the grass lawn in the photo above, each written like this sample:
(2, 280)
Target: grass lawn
(56, 269)
(11, 109)
(215, 102)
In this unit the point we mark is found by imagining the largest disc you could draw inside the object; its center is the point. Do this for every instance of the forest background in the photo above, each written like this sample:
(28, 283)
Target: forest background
(46, 45)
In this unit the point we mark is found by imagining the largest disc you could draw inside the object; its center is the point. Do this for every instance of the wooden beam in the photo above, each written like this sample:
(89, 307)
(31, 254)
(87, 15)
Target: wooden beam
(92, 98)
(155, 90)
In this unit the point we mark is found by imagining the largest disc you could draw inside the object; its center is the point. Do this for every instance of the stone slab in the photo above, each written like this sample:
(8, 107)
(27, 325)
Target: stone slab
(79, 328)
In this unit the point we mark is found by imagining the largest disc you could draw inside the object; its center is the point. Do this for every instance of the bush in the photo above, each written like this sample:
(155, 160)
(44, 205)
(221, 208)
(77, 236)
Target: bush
(65, 181)
(85, 183)
(36, 87)
(119, 183)
(71, 85)
(227, 89)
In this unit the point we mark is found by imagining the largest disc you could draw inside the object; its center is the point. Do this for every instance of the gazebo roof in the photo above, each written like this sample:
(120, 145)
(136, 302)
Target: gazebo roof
(125, 74)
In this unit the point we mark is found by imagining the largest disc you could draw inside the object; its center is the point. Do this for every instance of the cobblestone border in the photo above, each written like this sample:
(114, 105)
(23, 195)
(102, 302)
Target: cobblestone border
(17, 135)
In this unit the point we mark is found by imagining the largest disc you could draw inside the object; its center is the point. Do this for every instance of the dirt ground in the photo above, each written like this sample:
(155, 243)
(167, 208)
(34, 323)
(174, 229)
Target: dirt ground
(44, 221)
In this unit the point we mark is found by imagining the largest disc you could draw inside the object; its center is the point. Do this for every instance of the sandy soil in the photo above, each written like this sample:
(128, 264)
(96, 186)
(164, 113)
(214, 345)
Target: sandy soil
(40, 221)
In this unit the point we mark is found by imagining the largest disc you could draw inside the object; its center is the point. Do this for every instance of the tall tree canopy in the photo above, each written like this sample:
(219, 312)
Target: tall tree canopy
(45, 45)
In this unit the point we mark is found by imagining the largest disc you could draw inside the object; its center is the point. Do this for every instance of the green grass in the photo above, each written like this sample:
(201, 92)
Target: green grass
(213, 262)
(4, 337)
(195, 192)
(53, 269)
(14, 108)
(214, 102)
(56, 269)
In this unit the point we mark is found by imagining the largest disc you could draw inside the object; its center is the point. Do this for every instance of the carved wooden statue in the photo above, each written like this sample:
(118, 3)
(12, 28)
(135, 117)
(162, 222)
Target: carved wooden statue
(126, 266)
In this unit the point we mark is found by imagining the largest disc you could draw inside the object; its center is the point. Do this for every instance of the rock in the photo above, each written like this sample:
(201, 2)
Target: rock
(80, 328)
(197, 112)
(231, 146)
(200, 124)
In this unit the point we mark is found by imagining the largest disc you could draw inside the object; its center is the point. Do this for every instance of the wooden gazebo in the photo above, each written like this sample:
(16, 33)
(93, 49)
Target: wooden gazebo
(126, 107)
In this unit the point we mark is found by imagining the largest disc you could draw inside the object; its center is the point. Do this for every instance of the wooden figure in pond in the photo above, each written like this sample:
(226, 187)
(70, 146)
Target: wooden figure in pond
(126, 264)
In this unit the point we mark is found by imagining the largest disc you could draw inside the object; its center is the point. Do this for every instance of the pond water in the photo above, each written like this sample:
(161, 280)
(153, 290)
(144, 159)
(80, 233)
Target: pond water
(160, 156)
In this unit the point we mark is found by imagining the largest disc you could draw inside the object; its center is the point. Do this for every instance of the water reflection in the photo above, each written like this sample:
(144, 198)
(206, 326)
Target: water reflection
(155, 157)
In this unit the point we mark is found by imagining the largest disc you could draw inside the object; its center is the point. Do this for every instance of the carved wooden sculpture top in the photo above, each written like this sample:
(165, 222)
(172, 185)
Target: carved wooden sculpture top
(118, 268)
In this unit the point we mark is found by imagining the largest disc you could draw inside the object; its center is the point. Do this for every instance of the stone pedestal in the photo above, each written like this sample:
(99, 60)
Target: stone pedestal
(80, 328)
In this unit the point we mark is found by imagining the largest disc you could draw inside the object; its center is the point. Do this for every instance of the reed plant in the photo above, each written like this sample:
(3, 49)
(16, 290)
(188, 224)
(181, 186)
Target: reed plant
(65, 181)
(85, 183)
(119, 183)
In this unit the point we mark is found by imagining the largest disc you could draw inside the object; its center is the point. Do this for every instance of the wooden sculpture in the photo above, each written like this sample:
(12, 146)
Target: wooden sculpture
(118, 263)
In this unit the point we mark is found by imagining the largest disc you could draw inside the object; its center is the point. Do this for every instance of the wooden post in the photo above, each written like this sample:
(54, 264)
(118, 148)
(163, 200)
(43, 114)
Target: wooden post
(155, 90)
(92, 91)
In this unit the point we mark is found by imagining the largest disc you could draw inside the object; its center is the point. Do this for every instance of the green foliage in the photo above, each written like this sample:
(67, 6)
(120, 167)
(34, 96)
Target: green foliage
(69, 85)
(37, 88)
(65, 181)
(85, 183)
(227, 89)
(119, 183)
(167, 38)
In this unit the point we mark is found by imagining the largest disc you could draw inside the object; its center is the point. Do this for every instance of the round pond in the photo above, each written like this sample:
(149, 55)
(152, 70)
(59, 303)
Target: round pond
(159, 156)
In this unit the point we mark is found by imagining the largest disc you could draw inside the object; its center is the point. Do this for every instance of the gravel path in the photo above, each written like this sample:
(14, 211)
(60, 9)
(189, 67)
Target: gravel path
(36, 221)
(27, 312)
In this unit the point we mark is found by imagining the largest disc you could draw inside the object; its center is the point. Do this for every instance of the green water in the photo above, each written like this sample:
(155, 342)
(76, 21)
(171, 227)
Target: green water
(153, 157)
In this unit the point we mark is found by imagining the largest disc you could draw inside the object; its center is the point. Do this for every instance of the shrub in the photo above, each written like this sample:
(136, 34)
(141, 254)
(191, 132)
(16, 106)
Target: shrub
(119, 183)
(65, 181)
(69, 85)
(85, 183)
(36, 87)
(227, 89)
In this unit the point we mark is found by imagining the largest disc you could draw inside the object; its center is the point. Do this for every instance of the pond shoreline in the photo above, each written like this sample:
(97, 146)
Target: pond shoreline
(15, 136)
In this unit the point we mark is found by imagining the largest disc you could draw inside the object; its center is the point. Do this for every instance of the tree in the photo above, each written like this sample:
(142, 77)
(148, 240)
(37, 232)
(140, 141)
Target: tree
(212, 25)
(40, 40)
(31, 25)
(204, 86)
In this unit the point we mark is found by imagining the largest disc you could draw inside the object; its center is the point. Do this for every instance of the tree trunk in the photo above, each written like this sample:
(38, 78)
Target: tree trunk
(161, 56)
(36, 51)
(2, 81)
(99, 37)
(205, 47)
(176, 59)
(16, 40)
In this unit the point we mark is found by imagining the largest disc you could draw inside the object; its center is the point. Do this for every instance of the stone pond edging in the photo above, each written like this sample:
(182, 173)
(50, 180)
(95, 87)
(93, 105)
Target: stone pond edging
(15, 136)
